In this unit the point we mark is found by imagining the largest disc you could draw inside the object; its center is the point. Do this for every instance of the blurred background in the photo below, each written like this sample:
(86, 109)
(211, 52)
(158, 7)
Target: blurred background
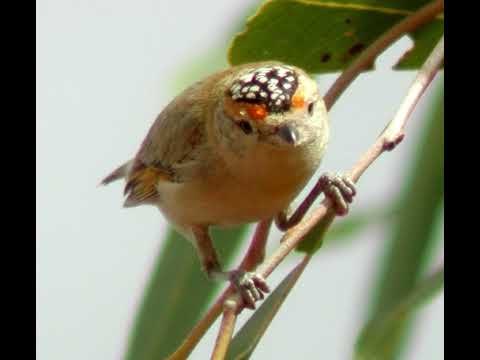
(105, 69)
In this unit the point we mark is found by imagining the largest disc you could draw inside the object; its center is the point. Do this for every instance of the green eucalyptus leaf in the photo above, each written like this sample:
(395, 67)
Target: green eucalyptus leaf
(314, 239)
(245, 341)
(177, 294)
(326, 36)
(343, 230)
(378, 338)
(425, 40)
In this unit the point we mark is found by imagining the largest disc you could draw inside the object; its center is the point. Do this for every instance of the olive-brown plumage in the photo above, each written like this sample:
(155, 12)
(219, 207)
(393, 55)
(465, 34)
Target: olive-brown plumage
(236, 147)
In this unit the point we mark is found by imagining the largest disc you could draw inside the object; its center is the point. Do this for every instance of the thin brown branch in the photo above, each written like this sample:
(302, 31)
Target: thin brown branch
(201, 327)
(226, 329)
(392, 135)
(366, 59)
(420, 84)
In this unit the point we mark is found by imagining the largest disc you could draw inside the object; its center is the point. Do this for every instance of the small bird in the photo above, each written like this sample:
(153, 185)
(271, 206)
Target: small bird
(234, 148)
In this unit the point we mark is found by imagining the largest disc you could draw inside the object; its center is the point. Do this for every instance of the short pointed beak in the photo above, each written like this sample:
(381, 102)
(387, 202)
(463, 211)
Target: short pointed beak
(288, 134)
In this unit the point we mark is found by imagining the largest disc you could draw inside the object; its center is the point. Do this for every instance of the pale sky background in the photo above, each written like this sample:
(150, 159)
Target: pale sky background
(104, 71)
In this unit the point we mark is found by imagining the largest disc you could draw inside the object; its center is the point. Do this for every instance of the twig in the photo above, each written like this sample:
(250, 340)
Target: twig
(367, 57)
(424, 77)
(392, 135)
(226, 329)
(201, 327)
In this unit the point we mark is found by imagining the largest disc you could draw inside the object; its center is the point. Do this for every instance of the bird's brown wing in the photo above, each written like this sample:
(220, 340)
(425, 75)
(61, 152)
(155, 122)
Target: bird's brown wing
(174, 150)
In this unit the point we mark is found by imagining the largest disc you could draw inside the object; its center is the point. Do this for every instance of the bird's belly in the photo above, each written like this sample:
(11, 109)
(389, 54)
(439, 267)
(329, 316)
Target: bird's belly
(219, 206)
(267, 185)
(228, 203)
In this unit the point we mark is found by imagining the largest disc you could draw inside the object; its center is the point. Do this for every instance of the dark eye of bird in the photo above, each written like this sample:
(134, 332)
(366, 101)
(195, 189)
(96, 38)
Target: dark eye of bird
(310, 108)
(245, 126)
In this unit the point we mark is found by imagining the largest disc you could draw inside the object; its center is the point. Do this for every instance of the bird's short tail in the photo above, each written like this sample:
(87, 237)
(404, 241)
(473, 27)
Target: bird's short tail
(118, 173)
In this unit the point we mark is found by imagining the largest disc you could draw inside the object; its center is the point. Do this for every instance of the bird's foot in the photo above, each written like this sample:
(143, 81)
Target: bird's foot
(250, 286)
(340, 189)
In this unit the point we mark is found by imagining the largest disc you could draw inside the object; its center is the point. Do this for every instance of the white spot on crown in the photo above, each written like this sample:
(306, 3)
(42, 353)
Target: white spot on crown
(272, 87)
(247, 77)
(273, 81)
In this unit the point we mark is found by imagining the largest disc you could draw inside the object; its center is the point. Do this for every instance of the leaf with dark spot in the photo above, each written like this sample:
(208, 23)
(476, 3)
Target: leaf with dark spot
(299, 32)
(355, 49)
(326, 57)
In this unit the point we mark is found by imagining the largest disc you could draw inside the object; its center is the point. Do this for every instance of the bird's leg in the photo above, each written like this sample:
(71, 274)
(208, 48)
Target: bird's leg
(249, 285)
(337, 187)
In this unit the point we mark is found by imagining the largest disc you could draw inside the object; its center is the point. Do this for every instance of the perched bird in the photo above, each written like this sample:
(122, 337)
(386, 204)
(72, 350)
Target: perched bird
(234, 148)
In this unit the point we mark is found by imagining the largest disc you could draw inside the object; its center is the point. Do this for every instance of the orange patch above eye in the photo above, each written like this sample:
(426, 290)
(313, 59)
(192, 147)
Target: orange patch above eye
(257, 112)
(298, 101)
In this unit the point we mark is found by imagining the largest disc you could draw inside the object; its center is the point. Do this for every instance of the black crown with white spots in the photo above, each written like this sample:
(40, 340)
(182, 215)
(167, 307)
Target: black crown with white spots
(273, 86)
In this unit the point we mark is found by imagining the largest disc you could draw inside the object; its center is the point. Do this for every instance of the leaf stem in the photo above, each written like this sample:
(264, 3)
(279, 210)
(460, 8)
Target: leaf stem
(226, 329)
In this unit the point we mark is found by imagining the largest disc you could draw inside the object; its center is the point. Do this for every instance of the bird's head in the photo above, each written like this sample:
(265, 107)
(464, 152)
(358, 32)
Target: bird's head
(269, 105)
